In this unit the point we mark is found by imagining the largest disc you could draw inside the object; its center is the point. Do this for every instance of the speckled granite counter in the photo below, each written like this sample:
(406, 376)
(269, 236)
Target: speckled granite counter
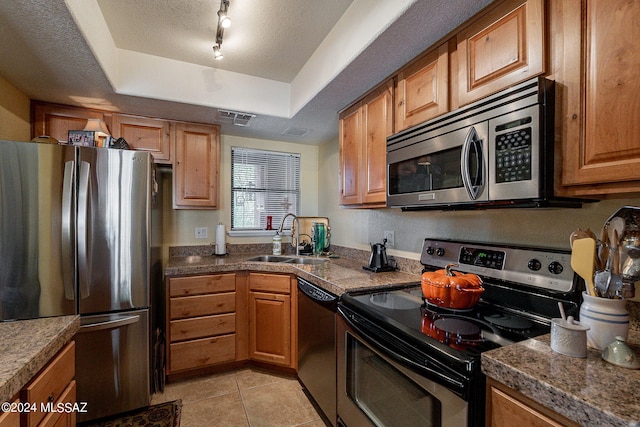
(588, 391)
(27, 345)
(337, 275)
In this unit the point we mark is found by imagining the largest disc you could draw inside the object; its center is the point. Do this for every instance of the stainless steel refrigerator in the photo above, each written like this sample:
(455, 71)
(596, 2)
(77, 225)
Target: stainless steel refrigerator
(75, 237)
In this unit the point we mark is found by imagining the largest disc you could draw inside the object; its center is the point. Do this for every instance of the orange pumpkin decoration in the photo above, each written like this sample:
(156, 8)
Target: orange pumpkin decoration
(451, 289)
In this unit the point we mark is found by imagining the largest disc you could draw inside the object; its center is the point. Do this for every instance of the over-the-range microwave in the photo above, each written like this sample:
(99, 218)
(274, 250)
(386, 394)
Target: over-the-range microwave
(496, 152)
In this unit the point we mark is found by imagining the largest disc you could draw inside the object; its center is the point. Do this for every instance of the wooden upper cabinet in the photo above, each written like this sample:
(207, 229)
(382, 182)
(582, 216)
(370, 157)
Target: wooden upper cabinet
(57, 120)
(377, 116)
(363, 148)
(500, 48)
(422, 91)
(144, 134)
(597, 122)
(350, 136)
(196, 167)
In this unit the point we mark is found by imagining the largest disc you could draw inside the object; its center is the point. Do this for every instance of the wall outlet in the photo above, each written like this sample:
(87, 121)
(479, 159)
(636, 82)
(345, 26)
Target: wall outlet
(391, 237)
(201, 232)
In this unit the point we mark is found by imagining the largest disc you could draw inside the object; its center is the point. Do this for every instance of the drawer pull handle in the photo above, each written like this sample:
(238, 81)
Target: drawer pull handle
(50, 398)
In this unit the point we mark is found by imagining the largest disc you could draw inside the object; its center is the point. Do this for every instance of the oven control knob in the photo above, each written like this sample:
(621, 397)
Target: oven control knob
(555, 267)
(534, 264)
(440, 252)
(430, 250)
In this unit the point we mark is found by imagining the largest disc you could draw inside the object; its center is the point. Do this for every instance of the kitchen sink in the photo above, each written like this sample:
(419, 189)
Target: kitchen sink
(307, 260)
(287, 259)
(270, 258)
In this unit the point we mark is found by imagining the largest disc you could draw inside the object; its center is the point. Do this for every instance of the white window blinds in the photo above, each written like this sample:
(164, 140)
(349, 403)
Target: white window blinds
(264, 183)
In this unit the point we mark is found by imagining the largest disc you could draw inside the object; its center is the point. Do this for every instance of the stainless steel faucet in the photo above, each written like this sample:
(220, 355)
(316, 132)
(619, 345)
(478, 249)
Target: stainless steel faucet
(283, 220)
(297, 231)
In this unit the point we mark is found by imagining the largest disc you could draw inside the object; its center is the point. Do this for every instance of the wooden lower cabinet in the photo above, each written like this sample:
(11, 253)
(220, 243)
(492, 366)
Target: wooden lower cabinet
(201, 330)
(273, 319)
(53, 386)
(507, 407)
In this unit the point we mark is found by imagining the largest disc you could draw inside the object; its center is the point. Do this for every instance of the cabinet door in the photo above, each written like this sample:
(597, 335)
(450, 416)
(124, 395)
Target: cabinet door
(363, 132)
(51, 384)
(144, 134)
(57, 120)
(350, 138)
(598, 122)
(423, 89)
(377, 115)
(270, 328)
(503, 47)
(506, 408)
(197, 166)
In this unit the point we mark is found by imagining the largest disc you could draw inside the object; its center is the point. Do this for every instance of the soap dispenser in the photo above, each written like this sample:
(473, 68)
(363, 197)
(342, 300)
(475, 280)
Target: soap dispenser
(277, 244)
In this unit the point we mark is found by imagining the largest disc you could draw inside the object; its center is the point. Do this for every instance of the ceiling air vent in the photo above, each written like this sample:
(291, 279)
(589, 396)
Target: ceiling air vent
(295, 131)
(234, 118)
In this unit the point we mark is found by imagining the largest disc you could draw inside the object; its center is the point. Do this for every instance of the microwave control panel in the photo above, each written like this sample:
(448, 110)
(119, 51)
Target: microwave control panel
(513, 151)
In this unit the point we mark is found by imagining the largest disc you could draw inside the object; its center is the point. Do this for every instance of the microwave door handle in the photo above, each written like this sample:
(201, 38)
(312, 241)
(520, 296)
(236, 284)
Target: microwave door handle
(472, 142)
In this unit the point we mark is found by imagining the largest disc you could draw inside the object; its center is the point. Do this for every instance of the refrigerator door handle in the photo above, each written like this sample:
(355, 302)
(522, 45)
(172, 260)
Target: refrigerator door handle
(109, 324)
(68, 264)
(83, 229)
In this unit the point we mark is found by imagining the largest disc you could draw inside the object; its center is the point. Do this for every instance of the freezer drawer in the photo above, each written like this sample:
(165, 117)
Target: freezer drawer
(112, 363)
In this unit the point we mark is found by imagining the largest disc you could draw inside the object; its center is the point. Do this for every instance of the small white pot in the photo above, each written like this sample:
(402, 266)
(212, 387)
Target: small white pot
(569, 337)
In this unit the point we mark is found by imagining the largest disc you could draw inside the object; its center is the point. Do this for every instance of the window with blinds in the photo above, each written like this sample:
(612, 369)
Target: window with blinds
(264, 183)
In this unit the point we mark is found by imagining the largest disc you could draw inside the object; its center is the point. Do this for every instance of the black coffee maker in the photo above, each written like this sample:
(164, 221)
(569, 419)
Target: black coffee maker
(378, 260)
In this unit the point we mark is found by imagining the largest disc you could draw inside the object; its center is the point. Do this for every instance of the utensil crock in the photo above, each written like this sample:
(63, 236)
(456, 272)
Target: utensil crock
(606, 318)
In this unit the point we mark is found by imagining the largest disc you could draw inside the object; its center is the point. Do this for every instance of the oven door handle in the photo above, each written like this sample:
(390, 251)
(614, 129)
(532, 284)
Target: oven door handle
(473, 184)
(352, 319)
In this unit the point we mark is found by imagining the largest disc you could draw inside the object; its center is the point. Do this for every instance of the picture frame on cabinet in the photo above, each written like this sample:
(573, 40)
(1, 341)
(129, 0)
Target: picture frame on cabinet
(83, 138)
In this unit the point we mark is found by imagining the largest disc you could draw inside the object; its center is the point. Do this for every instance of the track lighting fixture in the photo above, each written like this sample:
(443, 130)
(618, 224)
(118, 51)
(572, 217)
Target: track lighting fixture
(223, 22)
(217, 54)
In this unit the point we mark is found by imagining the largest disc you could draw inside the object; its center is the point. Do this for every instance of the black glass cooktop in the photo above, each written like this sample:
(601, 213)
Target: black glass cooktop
(457, 334)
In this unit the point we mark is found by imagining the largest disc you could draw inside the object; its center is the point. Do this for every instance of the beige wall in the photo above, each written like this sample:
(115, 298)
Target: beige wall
(540, 227)
(179, 225)
(14, 113)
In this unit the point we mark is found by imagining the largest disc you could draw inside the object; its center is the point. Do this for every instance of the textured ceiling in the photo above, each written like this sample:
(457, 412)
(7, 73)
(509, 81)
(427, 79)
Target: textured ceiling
(271, 39)
(45, 55)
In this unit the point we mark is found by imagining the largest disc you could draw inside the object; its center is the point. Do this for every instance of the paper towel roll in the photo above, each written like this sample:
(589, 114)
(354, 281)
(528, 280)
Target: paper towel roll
(221, 245)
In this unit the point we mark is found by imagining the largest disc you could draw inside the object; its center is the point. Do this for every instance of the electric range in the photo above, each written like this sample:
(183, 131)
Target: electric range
(522, 289)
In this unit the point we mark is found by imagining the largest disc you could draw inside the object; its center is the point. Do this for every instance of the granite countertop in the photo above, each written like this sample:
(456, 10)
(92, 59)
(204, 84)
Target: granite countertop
(336, 275)
(27, 345)
(588, 391)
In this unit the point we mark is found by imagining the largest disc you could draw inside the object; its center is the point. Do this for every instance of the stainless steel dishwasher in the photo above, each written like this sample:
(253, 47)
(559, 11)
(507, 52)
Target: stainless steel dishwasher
(317, 345)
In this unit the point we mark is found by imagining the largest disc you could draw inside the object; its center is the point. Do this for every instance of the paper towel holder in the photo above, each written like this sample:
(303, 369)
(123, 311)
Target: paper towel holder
(220, 246)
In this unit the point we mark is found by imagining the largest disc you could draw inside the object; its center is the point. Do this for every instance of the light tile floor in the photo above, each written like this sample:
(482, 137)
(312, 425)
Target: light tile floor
(247, 397)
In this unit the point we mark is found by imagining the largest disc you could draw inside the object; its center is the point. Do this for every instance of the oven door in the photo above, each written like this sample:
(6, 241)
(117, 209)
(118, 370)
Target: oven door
(376, 390)
(439, 169)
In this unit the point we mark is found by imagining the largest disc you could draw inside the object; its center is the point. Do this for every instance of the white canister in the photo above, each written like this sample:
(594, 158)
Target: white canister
(569, 337)
(607, 318)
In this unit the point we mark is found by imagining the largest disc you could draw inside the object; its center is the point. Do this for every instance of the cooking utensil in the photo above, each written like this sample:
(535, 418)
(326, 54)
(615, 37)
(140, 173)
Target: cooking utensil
(577, 234)
(615, 284)
(603, 249)
(582, 261)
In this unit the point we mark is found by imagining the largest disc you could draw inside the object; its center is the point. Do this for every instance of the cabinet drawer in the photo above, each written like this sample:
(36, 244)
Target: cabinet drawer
(200, 327)
(63, 419)
(185, 286)
(49, 384)
(10, 419)
(270, 283)
(202, 305)
(202, 352)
